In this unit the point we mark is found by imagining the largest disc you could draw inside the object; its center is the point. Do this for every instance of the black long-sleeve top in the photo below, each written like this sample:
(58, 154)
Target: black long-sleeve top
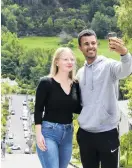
(58, 107)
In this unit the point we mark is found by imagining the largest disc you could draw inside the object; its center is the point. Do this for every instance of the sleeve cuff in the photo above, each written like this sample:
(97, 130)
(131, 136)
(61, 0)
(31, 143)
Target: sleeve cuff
(125, 58)
(38, 122)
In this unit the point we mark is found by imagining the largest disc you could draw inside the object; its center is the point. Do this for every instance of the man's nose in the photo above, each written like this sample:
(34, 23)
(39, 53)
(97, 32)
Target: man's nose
(90, 45)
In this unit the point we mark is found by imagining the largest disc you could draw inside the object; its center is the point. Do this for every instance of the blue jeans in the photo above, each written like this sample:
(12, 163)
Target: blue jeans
(58, 138)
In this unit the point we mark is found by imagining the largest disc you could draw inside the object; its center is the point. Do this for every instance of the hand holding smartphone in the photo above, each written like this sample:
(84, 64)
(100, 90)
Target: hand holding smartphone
(112, 35)
(116, 44)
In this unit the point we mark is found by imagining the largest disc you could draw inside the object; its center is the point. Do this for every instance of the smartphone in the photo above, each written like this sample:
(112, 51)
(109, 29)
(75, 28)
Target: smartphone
(112, 34)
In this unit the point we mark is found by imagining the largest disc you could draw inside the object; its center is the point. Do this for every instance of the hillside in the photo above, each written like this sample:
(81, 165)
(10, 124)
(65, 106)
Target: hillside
(53, 43)
(51, 17)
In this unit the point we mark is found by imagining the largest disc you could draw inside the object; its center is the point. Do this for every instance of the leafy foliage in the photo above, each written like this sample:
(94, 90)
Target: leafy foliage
(123, 12)
(128, 88)
(125, 24)
(126, 146)
(26, 65)
(49, 18)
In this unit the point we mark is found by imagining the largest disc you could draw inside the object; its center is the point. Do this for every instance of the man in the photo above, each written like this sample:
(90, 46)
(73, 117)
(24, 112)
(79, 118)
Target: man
(29, 143)
(97, 135)
(3, 147)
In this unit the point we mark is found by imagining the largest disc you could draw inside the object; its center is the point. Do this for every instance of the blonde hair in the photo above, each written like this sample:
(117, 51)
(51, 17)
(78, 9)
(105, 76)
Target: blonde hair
(54, 68)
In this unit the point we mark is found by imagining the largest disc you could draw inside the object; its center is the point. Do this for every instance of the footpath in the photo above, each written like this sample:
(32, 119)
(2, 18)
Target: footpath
(21, 161)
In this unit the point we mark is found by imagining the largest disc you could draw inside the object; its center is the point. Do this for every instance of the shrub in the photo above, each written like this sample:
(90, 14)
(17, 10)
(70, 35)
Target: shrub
(70, 44)
(34, 147)
(65, 38)
(8, 150)
(122, 163)
(12, 77)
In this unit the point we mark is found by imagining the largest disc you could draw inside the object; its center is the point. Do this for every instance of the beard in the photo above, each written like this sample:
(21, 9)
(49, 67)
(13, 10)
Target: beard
(90, 57)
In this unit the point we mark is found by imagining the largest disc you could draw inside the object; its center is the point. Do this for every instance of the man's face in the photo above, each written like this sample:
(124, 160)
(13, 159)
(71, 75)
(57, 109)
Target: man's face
(89, 46)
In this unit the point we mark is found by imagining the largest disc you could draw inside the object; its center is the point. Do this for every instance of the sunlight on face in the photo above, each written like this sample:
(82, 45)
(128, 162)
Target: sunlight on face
(89, 46)
(66, 61)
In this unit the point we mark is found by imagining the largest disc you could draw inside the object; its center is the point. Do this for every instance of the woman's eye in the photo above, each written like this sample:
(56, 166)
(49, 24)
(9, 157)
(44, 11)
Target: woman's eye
(68, 59)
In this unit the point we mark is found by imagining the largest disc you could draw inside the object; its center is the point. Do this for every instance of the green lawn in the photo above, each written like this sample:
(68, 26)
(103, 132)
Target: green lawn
(53, 43)
(40, 42)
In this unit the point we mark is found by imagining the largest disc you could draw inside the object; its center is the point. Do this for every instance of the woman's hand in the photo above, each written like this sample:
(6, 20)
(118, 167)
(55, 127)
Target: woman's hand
(40, 138)
(41, 141)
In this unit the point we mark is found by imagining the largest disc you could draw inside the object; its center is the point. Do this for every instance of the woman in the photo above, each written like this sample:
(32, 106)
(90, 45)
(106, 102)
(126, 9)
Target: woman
(58, 96)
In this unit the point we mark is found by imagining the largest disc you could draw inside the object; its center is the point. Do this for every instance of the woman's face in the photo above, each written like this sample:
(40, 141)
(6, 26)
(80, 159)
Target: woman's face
(66, 62)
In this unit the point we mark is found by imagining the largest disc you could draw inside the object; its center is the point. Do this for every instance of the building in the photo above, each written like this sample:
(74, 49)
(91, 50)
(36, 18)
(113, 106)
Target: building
(126, 120)
(11, 82)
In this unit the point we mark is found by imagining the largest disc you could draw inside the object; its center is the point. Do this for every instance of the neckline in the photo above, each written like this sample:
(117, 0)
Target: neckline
(62, 88)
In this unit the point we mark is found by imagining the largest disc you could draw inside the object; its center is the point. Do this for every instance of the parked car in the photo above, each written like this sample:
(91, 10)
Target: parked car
(24, 103)
(25, 128)
(24, 117)
(8, 128)
(27, 151)
(26, 134)
(10, 135)
(25, 110)
(25, 123)
(12, 112)
(15, 147)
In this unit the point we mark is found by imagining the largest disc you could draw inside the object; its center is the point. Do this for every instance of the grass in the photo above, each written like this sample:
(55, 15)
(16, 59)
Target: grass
(53, 43)
(40, 42)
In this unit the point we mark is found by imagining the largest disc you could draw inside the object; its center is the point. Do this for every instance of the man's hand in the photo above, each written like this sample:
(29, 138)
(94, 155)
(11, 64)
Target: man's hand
(117, 45)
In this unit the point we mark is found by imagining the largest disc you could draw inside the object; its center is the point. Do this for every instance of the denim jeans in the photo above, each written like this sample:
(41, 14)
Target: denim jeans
(58, 138)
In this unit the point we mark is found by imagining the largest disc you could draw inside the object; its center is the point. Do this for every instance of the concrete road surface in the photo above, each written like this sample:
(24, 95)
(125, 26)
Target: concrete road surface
(21, 161)
(18, 159)
(15, 123)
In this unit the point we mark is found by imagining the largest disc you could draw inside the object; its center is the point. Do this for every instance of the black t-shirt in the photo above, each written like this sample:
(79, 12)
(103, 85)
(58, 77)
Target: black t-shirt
(58, 107)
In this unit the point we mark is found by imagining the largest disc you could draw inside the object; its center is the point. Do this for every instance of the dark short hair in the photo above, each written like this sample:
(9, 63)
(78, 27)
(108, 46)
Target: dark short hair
(87, 32)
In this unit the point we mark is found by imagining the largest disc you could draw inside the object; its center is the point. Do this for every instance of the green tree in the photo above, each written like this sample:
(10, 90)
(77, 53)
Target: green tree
(15, 18)
(123, 12)
(6, 89)
(35, 64)
(126, 146)
(42, 17)
(11, 23)
(11, 53)
(101, 24)
(76, 154)
(8, 66)
(128, 88)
